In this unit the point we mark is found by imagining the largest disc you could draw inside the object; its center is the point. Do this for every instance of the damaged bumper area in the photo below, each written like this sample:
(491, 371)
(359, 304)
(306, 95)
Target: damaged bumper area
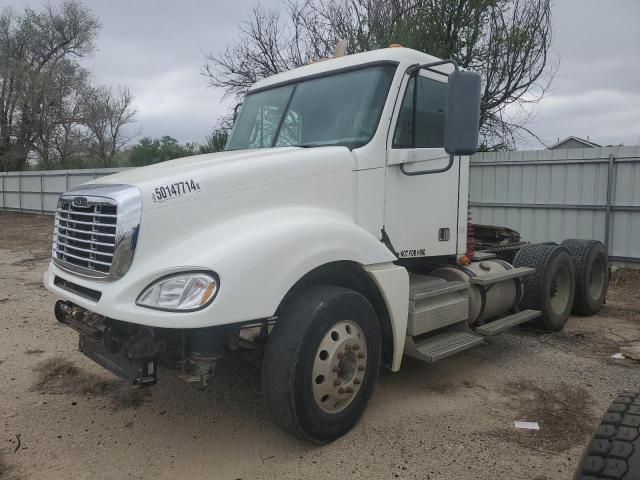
(133, 352)
(127, 351)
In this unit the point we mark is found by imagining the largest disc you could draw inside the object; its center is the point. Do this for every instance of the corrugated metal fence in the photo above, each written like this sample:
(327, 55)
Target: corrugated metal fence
(543, 194)
(558, 194)
(38, 192)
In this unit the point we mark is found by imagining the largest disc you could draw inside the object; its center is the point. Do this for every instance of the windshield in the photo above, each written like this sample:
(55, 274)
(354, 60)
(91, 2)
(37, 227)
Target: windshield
(337, 109)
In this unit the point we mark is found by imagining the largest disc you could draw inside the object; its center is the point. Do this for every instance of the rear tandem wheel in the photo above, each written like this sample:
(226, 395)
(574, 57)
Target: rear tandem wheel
(551, 288)
(592, 274)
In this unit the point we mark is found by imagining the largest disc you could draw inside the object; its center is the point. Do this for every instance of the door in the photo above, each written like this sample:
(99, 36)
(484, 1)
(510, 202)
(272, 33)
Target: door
(421, 206)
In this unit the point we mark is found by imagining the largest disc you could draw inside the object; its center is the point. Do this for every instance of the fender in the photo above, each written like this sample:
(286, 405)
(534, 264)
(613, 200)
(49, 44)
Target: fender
(282, 247)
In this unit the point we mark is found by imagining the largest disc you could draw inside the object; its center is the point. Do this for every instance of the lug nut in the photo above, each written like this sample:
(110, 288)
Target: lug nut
(347, 347)
(357, 381)
(360, 355)
(336, 382)
(356, 347)
(361, 368)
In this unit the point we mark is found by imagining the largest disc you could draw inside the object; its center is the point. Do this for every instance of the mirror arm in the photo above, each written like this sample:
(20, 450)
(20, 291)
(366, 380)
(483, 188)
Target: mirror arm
(428, 172)
(235, 111)
(429, 66)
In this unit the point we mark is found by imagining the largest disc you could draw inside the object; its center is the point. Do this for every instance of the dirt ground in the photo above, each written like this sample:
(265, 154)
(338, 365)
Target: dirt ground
(62, 417)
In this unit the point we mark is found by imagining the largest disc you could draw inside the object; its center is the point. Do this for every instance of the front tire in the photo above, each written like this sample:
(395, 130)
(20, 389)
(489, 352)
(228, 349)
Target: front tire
(321, 363)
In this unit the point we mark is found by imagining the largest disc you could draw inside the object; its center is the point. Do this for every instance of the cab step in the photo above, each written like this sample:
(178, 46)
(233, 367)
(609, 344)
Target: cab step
(441, 345)
(429, 287)
(435, 303)
(507, 322)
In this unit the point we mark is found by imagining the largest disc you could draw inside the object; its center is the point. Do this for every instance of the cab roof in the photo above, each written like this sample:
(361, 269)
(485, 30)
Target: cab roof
(395, 54)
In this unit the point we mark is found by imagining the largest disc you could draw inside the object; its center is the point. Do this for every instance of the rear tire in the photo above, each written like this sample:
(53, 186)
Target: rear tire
(592, 274)
(614, 451)
(551, 288)
(321, 363)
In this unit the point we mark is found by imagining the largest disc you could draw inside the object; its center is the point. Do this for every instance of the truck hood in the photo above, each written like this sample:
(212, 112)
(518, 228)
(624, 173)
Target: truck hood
(199, 176)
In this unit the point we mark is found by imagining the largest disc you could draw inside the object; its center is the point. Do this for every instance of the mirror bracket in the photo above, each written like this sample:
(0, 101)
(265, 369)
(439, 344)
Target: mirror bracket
(429, 66)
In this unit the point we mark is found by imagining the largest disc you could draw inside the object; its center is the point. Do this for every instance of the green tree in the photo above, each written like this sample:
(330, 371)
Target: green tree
(153, 150)
(214, 142)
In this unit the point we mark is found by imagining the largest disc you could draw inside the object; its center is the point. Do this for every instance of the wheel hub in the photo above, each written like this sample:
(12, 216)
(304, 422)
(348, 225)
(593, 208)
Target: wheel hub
(560, 290)
(339, 366)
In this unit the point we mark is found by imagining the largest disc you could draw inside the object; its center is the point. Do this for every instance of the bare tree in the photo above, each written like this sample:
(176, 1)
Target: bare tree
(105, 116)
(506, 41)
(58, 113)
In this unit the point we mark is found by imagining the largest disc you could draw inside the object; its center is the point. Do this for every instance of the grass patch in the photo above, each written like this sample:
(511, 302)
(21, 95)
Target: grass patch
(55, 374)
(562, 411)
(59, 375)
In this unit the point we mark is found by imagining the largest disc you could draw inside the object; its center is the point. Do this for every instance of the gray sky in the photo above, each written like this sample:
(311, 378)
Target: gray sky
(157, 49)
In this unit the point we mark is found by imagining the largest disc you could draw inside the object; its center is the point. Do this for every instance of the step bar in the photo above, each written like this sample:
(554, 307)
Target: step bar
(505, 323)
(442, 345)
(429, 291)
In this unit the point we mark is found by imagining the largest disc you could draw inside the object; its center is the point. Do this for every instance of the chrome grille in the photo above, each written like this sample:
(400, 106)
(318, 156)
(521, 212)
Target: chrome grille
(85, 234)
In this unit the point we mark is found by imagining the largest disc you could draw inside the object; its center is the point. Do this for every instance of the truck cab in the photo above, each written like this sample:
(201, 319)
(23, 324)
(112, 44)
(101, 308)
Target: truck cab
(330, 238)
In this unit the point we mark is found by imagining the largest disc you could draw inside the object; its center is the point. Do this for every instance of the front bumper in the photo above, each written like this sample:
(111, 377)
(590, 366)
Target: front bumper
(132, 352)
(127, 351)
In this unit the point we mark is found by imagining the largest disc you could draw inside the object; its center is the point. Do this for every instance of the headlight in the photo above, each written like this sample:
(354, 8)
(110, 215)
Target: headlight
(181, 292)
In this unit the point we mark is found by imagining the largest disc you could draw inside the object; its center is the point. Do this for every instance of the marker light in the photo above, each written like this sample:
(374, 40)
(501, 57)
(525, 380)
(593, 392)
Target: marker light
(464, 260)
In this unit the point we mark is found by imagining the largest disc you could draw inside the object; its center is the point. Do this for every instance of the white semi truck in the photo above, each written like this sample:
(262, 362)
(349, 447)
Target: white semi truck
(329, 239)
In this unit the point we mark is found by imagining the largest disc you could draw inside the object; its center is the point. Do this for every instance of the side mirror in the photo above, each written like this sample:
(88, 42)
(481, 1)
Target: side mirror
(462, 113)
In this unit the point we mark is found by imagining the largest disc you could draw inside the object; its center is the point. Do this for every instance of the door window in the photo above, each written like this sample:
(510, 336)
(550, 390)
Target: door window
(421, 118)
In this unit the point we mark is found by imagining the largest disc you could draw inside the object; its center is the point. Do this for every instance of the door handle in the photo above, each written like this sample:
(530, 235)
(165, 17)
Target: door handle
(427, 172)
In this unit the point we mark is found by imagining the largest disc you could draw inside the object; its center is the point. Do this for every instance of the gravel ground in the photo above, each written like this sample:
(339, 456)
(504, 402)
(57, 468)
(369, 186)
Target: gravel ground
(450, 420)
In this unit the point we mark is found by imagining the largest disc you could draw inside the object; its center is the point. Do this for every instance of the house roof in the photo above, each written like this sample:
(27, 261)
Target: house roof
(586, 143)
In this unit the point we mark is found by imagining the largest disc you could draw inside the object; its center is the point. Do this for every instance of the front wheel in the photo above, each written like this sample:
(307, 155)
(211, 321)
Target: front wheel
(321, 363)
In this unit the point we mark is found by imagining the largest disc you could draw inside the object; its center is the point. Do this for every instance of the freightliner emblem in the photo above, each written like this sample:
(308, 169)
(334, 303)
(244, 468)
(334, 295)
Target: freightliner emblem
(80, 202)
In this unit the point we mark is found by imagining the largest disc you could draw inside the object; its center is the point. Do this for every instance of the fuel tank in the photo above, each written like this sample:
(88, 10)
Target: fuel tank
(485, 302)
